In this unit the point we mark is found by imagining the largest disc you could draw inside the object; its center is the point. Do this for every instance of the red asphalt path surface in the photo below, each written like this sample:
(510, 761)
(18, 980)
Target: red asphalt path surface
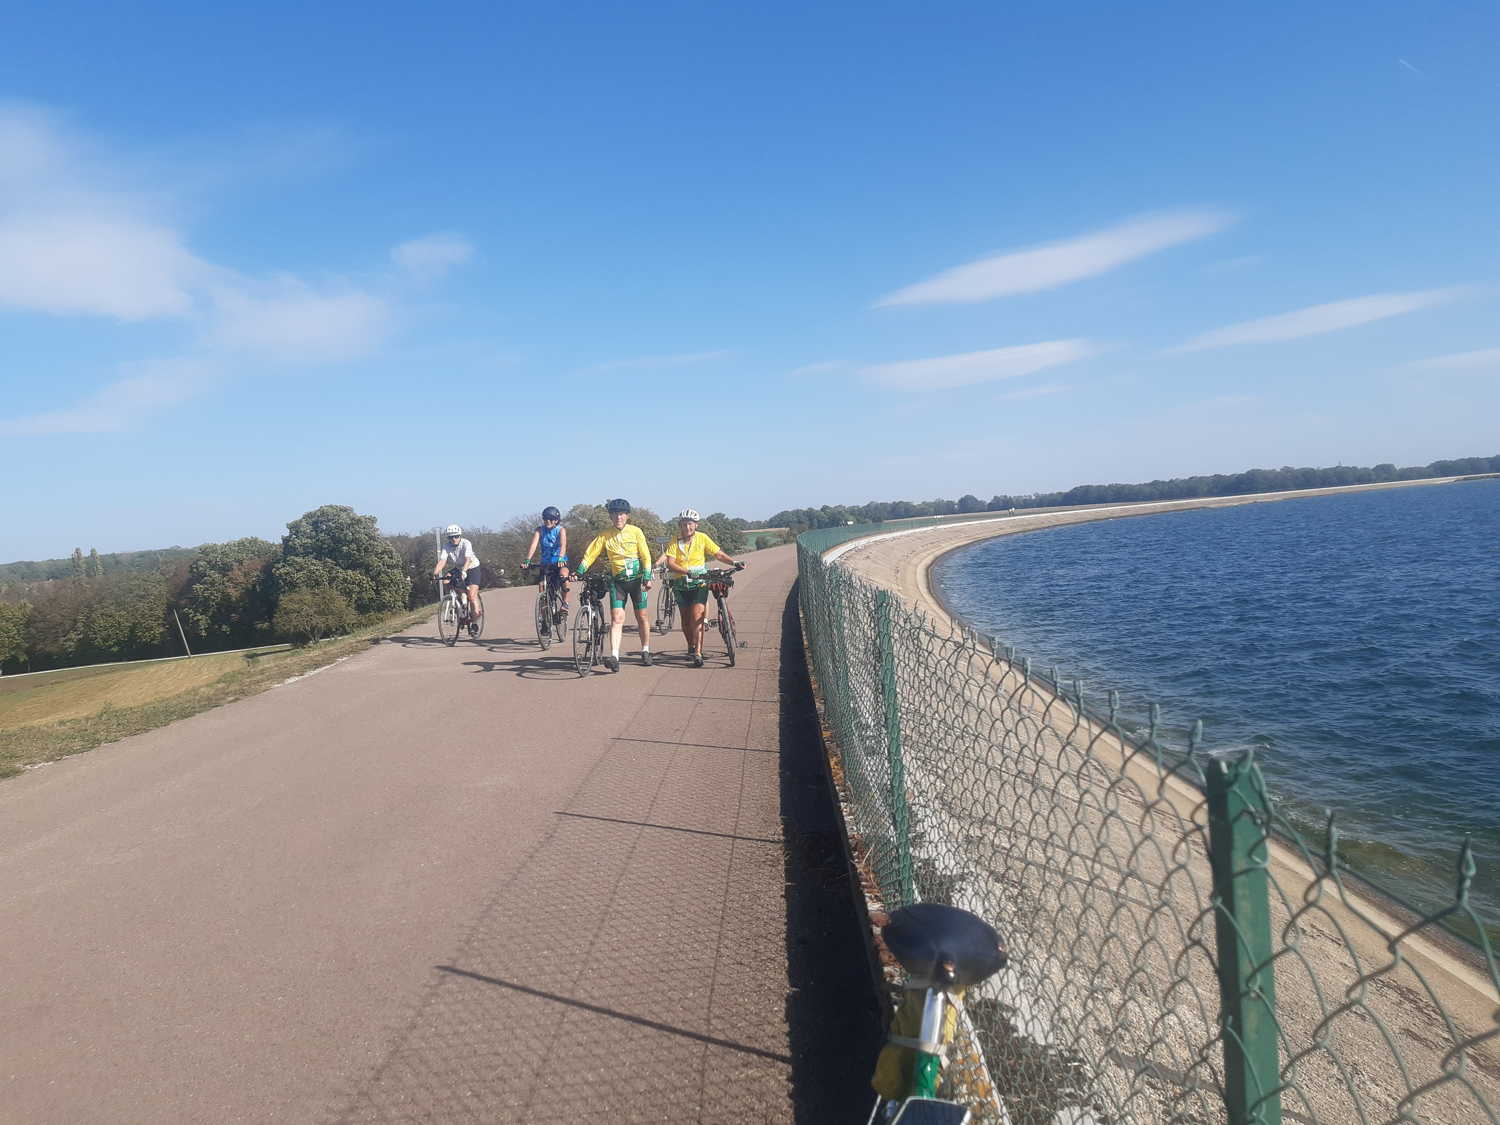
(424, 884)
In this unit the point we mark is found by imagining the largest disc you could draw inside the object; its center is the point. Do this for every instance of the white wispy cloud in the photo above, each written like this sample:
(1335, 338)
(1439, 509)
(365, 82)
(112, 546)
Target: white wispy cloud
(944, 372)
(292, 323)
(73, 239)
(94, 264)
(1319, 319)
(87, 232)
(658, 362)
(433, 255)
(1060, 263)
(1486, 359)
(144, 388)
(827, 367)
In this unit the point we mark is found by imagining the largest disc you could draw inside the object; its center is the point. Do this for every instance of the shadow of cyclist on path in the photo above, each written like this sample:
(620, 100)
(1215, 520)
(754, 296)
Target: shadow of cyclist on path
(537, 668)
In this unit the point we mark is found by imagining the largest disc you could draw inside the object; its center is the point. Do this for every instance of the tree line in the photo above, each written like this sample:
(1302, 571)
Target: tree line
(1178, 488)
(332, 569)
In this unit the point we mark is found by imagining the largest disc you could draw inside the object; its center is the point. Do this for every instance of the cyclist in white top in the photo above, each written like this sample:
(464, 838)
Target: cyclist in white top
(458, 555)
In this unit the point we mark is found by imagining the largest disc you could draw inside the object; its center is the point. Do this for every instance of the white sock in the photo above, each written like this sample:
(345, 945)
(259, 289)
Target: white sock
(645, 648)
(615, 650)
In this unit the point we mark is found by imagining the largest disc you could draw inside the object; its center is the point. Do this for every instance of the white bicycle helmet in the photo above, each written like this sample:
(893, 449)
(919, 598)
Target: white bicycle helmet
(689, 514)
(453, 529)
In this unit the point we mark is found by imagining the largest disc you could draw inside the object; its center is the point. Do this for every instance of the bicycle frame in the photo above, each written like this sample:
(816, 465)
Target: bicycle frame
(590, 611)
(459, 597)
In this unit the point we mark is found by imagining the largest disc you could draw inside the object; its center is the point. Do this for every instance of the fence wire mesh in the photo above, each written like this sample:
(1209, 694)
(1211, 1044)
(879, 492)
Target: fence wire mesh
(1139, 989)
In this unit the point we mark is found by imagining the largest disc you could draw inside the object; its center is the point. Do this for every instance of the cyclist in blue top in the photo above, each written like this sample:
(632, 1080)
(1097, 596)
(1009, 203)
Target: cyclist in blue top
(552, 537)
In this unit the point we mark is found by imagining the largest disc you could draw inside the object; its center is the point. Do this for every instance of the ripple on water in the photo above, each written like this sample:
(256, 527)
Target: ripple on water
(1355, 639)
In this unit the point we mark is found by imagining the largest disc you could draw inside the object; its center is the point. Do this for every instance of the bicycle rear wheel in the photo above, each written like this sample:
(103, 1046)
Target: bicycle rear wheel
(448, 620)
(543, 621)
(476, 623)
(726, 628)
(585, 639)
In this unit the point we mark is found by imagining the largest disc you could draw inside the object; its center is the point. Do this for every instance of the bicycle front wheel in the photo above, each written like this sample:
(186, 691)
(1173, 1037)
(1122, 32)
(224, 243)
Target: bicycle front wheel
(448, 620)
(543, 624)
(726, 629)
(585, 639)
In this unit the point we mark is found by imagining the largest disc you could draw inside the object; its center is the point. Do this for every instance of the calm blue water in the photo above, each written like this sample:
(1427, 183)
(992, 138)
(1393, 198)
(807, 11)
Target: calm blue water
(1354, 639)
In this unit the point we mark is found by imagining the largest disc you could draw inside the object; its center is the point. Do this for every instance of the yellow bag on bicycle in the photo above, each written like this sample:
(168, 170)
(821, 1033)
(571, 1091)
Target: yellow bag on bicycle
(893, 1069)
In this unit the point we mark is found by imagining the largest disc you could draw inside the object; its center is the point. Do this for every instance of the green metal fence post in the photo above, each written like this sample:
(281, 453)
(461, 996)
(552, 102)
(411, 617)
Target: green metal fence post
(1238, 827)
(893, 747)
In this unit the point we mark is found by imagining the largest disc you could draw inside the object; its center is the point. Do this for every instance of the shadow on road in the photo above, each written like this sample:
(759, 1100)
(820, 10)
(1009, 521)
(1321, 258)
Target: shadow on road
(613, 1013)
(832, 1013)
(535, 668)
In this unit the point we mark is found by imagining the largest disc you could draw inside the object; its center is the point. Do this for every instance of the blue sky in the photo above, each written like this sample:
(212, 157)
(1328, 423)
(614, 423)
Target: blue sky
(458, 263)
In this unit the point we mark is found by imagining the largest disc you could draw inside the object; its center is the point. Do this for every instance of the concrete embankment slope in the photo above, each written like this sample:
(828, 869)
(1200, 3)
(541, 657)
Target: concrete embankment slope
(435, 884)
(1353, 983)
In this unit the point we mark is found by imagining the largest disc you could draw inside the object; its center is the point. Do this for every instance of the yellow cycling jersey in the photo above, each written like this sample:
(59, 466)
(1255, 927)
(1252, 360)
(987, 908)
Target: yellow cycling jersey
(694, 553)
(626, 550)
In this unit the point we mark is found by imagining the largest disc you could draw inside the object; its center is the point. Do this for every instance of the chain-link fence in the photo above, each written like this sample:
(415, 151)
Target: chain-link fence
(1178, 952)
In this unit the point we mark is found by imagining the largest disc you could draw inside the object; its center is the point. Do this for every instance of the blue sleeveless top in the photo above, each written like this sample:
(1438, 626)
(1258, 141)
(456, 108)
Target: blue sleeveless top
(550, 543)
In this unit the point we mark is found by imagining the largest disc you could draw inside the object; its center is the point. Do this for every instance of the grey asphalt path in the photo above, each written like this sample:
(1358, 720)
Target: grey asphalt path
(424, 884)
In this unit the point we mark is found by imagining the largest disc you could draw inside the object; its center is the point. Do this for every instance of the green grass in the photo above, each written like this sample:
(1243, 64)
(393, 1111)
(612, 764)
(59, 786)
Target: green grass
(70, 713)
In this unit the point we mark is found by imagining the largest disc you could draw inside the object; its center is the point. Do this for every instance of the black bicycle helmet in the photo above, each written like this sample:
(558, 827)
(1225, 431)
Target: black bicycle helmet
(617, 505)
(551, 513)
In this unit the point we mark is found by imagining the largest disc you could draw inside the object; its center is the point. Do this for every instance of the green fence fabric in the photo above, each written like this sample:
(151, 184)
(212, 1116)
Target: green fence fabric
(1178, 953)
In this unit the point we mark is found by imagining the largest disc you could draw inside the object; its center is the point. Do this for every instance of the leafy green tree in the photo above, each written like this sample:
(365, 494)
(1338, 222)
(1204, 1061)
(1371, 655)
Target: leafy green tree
(76, 563)
(311, 613)
(93, 567)
(124, 618)
(13, 617)
(654, 527)
(227, 599)
(337, 547)
(720, 528)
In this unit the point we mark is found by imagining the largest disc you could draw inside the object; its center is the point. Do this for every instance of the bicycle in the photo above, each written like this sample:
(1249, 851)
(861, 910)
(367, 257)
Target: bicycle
(666, 606)
(551, 613)
(944, 951)
(589, 626)
(719, 582)
(454, 614)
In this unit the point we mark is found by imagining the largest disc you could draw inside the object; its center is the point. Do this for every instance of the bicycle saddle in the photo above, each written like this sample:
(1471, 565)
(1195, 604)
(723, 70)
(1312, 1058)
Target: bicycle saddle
(928, 935)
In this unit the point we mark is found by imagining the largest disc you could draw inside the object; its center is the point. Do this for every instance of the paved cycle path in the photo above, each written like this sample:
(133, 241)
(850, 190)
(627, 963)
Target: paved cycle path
(424, 884)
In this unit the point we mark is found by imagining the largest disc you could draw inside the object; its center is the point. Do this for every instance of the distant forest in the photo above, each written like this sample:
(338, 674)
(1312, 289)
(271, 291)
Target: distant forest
(334, 568)
(1178, 488)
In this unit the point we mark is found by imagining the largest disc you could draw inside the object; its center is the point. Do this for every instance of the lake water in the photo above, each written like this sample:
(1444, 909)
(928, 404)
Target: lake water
(1354, 639)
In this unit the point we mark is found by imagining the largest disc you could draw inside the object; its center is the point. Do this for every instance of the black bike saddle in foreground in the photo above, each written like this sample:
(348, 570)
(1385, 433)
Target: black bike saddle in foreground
(928, 935)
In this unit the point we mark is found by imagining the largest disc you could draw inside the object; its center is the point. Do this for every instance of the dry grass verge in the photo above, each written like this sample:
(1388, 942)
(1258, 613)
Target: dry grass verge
(59, 717)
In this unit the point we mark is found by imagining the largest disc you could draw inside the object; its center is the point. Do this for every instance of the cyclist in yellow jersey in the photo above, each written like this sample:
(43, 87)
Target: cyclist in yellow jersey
(686, 559)
(629, 560)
